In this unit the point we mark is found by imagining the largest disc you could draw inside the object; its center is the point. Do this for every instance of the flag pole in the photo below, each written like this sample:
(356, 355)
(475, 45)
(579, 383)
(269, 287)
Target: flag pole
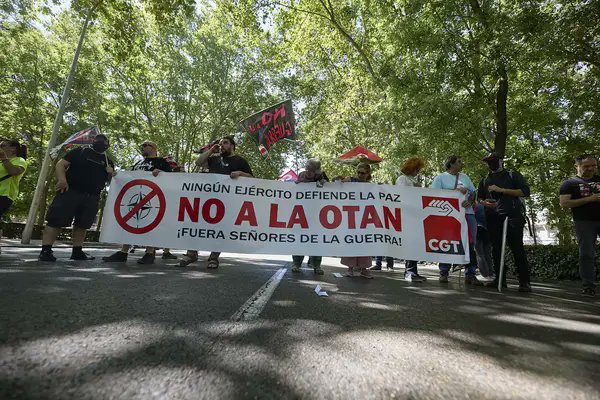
(41, 183)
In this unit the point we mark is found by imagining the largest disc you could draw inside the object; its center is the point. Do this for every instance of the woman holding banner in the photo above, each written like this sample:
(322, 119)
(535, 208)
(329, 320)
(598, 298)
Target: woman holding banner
(363, 172)
(410, 169)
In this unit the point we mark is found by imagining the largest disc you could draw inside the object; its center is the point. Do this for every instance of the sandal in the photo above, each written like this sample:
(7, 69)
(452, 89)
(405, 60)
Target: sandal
(187, 260)
(212, 264)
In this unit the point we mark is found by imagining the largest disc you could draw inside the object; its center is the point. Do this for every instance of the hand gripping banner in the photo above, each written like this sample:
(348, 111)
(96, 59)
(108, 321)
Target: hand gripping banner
(217, 213)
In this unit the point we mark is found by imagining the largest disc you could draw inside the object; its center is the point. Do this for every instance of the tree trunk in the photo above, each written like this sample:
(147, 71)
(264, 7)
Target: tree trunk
(501, 117)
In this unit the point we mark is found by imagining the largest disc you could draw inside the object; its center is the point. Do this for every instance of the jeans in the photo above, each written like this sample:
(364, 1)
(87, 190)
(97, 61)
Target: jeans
(483, 248)
(514, 240)
(587, 232)
(469, 268)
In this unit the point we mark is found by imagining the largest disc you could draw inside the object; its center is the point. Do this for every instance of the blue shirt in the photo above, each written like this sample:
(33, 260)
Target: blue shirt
(448, 181)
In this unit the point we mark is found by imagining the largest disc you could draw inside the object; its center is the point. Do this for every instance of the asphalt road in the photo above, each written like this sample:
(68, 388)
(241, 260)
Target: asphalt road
(90, 330)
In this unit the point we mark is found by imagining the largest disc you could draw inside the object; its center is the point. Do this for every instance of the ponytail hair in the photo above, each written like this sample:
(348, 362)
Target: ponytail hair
(21, 148)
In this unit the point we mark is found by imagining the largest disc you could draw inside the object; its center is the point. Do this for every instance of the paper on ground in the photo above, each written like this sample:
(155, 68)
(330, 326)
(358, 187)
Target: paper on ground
(338, 275)
(320, 292)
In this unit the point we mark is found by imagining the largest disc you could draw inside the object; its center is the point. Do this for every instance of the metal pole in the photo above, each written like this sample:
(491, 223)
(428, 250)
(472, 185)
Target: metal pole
(41, 183)
(501, 272)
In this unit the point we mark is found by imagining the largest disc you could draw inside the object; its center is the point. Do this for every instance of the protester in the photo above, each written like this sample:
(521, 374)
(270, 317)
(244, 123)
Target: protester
(483, 246)
(409, 171)
(12, 167)
(581, 193)
(363, 172)
(151, 163)
(81, 176)
(500, 192)
(220, 159)
(175, 167)
(389, 263)
(454, 179)
(312, 173)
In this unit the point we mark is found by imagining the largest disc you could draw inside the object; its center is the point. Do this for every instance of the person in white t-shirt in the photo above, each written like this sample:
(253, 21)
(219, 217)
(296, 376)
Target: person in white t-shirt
(453, 179)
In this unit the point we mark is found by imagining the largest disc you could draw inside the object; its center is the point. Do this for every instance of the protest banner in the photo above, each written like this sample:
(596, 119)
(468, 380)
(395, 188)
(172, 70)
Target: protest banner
(213, 212)
(271, 125)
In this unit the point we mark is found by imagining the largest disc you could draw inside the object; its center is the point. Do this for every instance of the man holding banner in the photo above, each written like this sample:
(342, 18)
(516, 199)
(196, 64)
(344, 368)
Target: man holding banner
(220, 159)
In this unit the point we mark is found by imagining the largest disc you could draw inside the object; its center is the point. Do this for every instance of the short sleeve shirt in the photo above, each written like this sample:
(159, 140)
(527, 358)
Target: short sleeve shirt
(152, 163)
(449, 181)
(87, 170)
(578, 188)
(9, 187)
(227, 165)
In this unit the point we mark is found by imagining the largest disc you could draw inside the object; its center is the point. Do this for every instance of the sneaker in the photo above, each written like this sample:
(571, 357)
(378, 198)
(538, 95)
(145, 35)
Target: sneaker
(167, 255)
(81, 256)
(213, 263)
(119, 256)
(47, 255)
(295, 267)
(413, 278)
(319, 271)
(147, 258)
(525, 288)
(588, 292)
(443, 278)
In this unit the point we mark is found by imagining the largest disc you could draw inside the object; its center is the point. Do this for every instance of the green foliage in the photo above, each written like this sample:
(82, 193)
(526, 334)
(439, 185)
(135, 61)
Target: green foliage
(552, 262)
(402, 78)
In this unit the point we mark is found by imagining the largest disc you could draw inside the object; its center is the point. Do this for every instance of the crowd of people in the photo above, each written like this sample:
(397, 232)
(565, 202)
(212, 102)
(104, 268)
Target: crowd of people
(84, 172)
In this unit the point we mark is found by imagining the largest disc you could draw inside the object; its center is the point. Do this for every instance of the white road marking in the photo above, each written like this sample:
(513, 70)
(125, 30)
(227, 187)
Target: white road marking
(257, 302)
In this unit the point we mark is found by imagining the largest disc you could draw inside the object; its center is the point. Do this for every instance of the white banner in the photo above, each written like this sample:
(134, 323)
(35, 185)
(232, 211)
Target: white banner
(245, 215)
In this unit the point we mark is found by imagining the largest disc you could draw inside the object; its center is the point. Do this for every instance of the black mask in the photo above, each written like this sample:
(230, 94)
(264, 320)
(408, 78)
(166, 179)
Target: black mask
(100, 146)
(493, 165)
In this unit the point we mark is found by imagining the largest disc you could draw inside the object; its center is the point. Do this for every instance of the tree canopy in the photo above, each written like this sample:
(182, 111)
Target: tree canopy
(400, 77)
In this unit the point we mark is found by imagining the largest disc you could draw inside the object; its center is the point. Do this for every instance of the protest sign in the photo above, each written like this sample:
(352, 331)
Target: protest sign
(246, 215)
(271, 125)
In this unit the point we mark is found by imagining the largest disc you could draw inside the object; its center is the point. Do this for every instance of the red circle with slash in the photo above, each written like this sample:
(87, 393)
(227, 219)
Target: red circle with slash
(155, 191)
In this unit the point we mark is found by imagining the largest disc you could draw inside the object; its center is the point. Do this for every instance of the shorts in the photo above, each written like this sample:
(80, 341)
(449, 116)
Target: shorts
(73, 208)
(5, 203)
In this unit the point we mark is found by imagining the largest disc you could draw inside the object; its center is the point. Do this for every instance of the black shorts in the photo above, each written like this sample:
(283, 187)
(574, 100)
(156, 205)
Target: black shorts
(73, 205)
(5, 203)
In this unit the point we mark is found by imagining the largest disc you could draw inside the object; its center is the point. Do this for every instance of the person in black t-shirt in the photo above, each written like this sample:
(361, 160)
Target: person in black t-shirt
(500, 193)
(581, 193)
(150, 163)
(81, 176)
(220, 159)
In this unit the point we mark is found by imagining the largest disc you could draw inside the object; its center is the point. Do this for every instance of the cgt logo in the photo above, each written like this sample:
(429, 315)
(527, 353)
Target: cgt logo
(442, 229)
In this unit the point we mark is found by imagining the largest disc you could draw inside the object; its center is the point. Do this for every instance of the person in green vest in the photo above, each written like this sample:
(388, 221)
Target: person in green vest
(12, 168)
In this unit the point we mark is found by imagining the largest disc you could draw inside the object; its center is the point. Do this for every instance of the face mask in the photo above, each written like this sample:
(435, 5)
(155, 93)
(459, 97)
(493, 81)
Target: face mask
(100, 146)
(493, 165)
